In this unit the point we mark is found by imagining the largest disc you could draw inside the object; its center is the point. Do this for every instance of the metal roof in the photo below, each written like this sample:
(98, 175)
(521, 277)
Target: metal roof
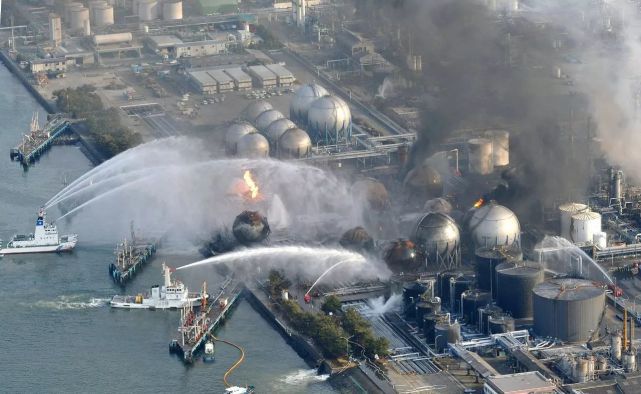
(262, 72)
(203, 78)
(530, 382)
(220, 76)
(165, 41)
(280, 71)
(238, 74)
(568, 289)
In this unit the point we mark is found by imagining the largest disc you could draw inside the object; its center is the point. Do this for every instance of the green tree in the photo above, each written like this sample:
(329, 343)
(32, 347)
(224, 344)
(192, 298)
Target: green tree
(277, 282)
(332, 304)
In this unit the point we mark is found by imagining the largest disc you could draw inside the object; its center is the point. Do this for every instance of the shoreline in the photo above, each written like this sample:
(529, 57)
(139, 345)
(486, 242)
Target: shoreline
(95, 157)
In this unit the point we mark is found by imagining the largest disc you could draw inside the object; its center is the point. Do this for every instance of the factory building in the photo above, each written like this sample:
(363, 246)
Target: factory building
(354, 44)
(518, 383)
(52, 64)
(172, 46)
(242, 81)
(284, 77)
(263, 77)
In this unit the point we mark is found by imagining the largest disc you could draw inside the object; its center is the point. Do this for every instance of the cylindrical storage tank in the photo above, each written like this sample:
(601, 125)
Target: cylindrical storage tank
(429, 325)
(480, 157)
(253, 146)
(567, 309)
(79, 18)
(582, 367)
(494, 225)
(515, 282)
(411, 296)
(443, 279)
(303, 99)
(436, 236)
(458, 286)
(234, 133)
(256, 108)
(148, 10)
(567, 211)
(276, 129)
(615, 345)
(294, 144)
(425, 308)
(484, 317)
(446, 333)
(487, 259)
(629, 362)
(601, 240)
(103, 15)
(68, 7)
(116, 38)
(472, 301)
(591, 365)
(263, 120)
(172, 10)
(601, 364)
(329, 120)
(500, 324)
(584, 225)
(500, 146)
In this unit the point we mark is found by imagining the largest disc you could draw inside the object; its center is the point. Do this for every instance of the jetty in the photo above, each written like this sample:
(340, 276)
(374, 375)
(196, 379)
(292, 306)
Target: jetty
(195, 327)
(38, 140)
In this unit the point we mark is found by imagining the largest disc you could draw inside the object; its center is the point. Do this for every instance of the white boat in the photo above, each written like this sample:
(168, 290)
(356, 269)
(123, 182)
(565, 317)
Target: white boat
(44, 239)
(173, 295)
(210, 350)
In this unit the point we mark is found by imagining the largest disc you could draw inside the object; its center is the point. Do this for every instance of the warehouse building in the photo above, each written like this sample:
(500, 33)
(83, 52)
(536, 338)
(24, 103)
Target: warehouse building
(263, 77)
(284, 77)
(242, 81)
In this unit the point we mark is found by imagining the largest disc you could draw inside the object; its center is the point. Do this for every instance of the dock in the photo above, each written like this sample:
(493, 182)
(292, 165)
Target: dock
(131, 256)
(38, 141)
(195, 328)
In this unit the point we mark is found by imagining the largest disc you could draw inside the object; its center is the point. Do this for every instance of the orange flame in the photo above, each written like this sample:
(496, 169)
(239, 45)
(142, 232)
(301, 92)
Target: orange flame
(249, 181)
(479, 203)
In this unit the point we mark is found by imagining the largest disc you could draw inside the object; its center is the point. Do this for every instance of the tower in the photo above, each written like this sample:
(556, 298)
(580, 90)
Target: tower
(298, 12)
(55, 29)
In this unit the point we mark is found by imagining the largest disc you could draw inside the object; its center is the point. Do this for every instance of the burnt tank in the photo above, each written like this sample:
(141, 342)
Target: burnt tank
(500, 324)
(250, 227)
(400, 256)
(458, 286)
(412, 293)
(484, 315)
(487, 259)
(446, 333)
(437, 237)
(357, 239)
(423, 183)
(429, 325)
(472, 301)
(515, 281)
(443, 285)
(567, 309)
(426, 308)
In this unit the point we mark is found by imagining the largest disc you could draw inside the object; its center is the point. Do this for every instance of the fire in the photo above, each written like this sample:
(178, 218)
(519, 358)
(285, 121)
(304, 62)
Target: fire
(249, 181)
(479, 203)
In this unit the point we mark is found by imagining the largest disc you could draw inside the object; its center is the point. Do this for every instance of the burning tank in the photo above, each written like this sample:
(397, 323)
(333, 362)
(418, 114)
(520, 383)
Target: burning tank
(357, 239)
(424, 182)
(250, 227)
(400, 256)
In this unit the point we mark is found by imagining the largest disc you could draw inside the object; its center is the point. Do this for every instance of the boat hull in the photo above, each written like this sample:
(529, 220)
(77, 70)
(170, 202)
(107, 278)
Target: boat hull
(130, 304)
(61, 248)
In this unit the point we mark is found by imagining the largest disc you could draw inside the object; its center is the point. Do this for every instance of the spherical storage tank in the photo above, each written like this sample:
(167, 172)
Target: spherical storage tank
(263, 120)
(256, 108)
(172, 10)
(278, 128)
(480, 156)
(567, 309)
(436, 235)
(250, 227)
(584, 225)
(500, 147)
(103, 15)
(357, 239)
(515, 282)
(400, 256)
(372, 191)
(567, 211)
(303, 99)
(423, 182)
(329, 120)
(494, 225)
(234, 133)
(294, 144)
(252, 146)
(148, 10)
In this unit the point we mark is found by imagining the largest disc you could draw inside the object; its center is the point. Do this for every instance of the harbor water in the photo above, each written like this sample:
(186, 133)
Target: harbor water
(57, 331)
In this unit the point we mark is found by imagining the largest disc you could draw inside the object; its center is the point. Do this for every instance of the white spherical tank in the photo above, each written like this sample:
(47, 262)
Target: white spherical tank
(254, 109)
(103, 15)
(294, 144)
(266, 118)
(253, 146)
(567, 211)
(584, 225)
(500, 146)
(172, 10)
(480, 157)
(148, 10)
(329, 120)
(303, 99)
(79, 18)
(494, 225)
(278, 128)
(234, 133)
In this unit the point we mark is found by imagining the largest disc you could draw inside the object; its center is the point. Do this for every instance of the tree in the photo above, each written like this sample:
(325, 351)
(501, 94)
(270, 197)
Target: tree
(332, 305)
(277, 282)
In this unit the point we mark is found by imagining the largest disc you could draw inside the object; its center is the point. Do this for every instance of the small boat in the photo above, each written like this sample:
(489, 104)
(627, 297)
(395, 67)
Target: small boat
(208, 357)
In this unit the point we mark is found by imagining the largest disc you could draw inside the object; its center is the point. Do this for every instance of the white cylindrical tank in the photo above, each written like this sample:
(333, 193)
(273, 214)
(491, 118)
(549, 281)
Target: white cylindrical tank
(500, 146)
(480, 158)
(567, 211)
(67, 10)
(148, 10)
(79, 18)
(615, 346)
(172, 10)
(103, 15)
(601, 240)
(116, 38)
(584, 225)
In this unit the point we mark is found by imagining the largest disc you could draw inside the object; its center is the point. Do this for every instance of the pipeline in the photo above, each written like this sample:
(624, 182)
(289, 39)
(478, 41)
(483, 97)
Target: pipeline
(236, 364)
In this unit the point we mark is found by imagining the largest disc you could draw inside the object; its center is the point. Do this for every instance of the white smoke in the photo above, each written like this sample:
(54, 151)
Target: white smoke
(380, 306)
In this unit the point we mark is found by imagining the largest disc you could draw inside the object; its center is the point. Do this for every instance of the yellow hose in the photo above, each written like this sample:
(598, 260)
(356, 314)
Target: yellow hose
(236, 364)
